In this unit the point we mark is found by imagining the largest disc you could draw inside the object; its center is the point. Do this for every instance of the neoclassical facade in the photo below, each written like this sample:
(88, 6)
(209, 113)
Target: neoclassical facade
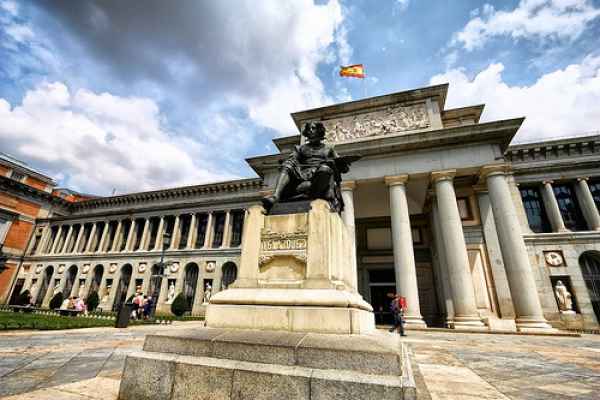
(474, 232)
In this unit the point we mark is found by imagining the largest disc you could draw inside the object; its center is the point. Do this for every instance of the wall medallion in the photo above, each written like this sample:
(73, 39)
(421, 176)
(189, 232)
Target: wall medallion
(86, 268)
(554, 258)
(61, 268)
(112, 268)
(39, 269)
(210, 266)
(174, 267)
(142, 267)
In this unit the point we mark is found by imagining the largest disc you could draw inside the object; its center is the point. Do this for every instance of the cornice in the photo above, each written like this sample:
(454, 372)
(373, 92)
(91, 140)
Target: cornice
(168, 194)
(8, 185)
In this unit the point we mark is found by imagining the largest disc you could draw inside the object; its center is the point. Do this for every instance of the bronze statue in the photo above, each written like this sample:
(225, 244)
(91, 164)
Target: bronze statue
(313, 171)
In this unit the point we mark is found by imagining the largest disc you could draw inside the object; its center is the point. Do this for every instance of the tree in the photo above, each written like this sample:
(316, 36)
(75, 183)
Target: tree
(92, 301)
(179, 305)
(56, 301)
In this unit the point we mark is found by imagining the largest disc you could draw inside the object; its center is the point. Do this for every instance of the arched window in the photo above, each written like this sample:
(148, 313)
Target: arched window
(70, 280)
(121, 294)
(44, 285)
(229, 274)
(190, 283)
(96, 279)
(590, 269)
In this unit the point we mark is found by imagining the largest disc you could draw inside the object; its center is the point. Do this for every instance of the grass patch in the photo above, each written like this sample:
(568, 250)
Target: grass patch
(11, 320)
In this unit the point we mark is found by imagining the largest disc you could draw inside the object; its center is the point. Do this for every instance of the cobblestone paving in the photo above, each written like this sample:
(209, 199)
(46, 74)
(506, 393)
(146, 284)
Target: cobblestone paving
(87, 364)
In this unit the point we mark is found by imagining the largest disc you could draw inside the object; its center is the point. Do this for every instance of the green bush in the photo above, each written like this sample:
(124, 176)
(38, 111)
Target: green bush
(23, 298)
(179, 305)
(56, 301)
(92, 301)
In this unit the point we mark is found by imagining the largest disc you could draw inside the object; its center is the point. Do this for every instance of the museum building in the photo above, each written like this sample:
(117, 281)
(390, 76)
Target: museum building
(475, 233)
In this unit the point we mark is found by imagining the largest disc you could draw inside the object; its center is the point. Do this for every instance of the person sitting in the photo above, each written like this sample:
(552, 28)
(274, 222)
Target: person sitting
(65, 304)
(80, 305)
(148, 307)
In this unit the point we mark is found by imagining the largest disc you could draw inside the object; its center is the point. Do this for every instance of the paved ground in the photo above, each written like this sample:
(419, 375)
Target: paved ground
(87, 364)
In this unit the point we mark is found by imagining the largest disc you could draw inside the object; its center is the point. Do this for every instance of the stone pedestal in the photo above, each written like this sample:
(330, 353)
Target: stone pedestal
(260, 365)
(295, 275)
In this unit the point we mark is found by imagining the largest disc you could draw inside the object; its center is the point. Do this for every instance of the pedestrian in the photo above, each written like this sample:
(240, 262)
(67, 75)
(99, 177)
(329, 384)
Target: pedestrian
(148, 307)
(398, 308)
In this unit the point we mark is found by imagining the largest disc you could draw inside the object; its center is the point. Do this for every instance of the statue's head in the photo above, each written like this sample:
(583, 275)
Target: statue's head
(314, 131)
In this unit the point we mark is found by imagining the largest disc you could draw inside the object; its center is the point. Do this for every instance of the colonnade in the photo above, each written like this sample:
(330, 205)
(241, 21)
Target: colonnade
(203, 230)
(454, 258)
(584, 198)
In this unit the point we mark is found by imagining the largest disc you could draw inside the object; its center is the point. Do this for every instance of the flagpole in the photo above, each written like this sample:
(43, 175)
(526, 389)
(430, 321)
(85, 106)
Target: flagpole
(365, 81)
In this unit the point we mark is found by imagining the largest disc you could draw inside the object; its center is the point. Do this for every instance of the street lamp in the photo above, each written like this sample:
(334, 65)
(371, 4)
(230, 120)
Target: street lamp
(166, 243)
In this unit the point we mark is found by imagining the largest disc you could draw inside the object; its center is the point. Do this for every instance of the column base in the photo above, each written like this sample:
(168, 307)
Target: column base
(534, 325)
(468, 323)
(414, 322)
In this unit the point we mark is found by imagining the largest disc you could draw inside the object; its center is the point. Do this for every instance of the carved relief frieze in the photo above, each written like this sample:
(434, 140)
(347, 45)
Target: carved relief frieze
(383, 121)
(283, 245)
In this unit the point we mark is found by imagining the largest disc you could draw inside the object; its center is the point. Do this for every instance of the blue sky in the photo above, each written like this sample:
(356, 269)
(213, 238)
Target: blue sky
(144, 95)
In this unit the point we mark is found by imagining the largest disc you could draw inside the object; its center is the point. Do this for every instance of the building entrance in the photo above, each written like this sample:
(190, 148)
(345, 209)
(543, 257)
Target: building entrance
(381, 285)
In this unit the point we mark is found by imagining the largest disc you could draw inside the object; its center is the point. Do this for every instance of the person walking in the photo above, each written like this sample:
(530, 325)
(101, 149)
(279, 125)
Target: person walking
(398, 308)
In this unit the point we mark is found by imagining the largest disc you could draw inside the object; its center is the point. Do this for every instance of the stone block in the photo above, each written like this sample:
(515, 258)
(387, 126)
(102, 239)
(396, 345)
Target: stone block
(342, 385)
(147, 377)
(271, 382)
(196, 343)
(269, 347)
(201, 382)
(376, 354)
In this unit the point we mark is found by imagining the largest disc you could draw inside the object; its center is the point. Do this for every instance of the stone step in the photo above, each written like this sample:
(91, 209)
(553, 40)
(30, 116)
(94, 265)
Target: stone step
(160, 376)
(377, 353)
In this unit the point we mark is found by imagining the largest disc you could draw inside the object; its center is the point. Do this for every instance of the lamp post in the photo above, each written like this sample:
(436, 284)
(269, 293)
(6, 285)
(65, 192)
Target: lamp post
(156, 279)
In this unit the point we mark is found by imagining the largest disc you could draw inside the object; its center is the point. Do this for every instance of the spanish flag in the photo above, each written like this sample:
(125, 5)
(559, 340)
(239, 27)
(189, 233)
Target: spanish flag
(354, 71)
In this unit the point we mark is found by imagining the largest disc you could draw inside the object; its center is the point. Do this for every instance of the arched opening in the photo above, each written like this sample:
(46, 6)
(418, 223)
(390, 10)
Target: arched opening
(155, 285)
(121, 293)
(229, 274)
(96, 279)
(44, 285)
(590, 269)
(70, 280)
(189, 284)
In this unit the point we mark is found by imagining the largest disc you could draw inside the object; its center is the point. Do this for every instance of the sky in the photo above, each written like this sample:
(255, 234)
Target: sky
(125, 96)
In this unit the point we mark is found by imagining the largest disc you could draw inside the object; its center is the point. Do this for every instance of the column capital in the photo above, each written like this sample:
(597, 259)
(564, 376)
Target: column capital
(547, 181)
(495, 169)
(447, 174)
(583, 178)
(394, 180)
(348, 185)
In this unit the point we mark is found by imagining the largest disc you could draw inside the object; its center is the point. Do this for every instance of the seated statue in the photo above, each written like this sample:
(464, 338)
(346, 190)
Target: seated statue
(313, 171)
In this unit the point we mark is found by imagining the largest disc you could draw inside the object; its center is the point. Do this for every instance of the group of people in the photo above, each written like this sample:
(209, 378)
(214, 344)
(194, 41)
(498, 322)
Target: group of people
(142, 306)
(74, 303)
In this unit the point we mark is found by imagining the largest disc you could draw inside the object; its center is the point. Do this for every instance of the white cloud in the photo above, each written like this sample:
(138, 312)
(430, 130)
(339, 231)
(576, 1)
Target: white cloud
(541, 19)
(10, 7)
(403, 4)
(101, 141)
(561, 103)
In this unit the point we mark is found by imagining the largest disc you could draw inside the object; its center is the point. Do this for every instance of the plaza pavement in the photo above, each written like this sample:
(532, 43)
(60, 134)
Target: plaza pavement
(87, 363)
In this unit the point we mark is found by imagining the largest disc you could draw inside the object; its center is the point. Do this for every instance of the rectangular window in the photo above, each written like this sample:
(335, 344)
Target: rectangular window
(219, 230)
(569, 207)
(236, 228)
(17, 176)
(4, 227)
(595, 189)
(534, 208)
(464, 208)
(184, 223)
(201, 230)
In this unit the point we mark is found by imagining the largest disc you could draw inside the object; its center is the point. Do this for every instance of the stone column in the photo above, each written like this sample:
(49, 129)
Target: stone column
(129, 241)
(192, 232)
(348, 218)
(459, 271)
(67, 239)
(587, 204)
(103, 237)
(516, 260)
(159, 234)
(90, 240)
(117, 236)
(54, 248)
(404, 256)
(227, 231)
(176, 233)
(79, 237)
(442, 264)
(552, 209)
(43, 240)
(145, 232)
(209, 231)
